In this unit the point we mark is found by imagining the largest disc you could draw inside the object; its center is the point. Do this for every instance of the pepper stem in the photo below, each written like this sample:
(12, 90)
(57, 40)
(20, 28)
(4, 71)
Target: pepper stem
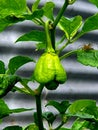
(49, 47)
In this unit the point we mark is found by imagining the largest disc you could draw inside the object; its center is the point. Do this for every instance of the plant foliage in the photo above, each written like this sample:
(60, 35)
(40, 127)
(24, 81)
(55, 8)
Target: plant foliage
(85, 112)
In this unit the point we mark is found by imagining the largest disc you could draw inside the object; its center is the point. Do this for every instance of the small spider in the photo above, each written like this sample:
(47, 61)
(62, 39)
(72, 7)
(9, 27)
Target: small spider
(87, 47)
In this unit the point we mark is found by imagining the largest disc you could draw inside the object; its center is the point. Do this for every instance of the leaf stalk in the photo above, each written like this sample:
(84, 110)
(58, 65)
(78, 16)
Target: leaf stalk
(68, 54)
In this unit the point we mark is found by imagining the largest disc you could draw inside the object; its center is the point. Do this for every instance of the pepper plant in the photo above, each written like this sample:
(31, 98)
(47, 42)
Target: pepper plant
(49, 72)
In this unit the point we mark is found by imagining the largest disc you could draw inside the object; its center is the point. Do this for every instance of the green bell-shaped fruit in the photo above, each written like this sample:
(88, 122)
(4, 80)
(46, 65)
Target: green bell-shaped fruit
(49, 69)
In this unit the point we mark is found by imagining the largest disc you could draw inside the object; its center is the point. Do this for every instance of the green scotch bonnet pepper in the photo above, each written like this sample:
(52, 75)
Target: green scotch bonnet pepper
(49, 70)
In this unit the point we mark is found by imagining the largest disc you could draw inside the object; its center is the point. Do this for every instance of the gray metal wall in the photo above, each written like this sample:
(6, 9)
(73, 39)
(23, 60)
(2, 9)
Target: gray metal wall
(82, 81)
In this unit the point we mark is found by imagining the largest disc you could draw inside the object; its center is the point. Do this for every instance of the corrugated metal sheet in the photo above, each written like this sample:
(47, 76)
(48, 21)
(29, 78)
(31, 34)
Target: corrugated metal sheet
(82, 81)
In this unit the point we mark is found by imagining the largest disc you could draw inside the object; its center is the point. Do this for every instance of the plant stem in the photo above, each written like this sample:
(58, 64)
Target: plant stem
(43, 23)
(60, 13)
(52, 32)
(28, 88)
(53, 26)
(39, 106)
(77, 37)
(39, 112)
(38, 21)
(22, 90)
(68, 54)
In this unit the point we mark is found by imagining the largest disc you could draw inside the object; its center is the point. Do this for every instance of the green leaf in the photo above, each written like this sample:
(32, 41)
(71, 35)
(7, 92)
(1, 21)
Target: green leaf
(64, 128)
(40, 46)
(8, 21)
(12, 19)
(35, 35)
(78, 125)
(70, 26)
(48, 10)
(18, 61)
(83, 109)
(7, 82)
(13, 128)
(89, 57)
(19, 110)
(14, 11)
(35, 5)
(61, 107)
(90, 24)
(2, 67)
(4, 110)
(15, 7)
(36, 14)
(49, 116)
(32, 127)
(95, 2)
